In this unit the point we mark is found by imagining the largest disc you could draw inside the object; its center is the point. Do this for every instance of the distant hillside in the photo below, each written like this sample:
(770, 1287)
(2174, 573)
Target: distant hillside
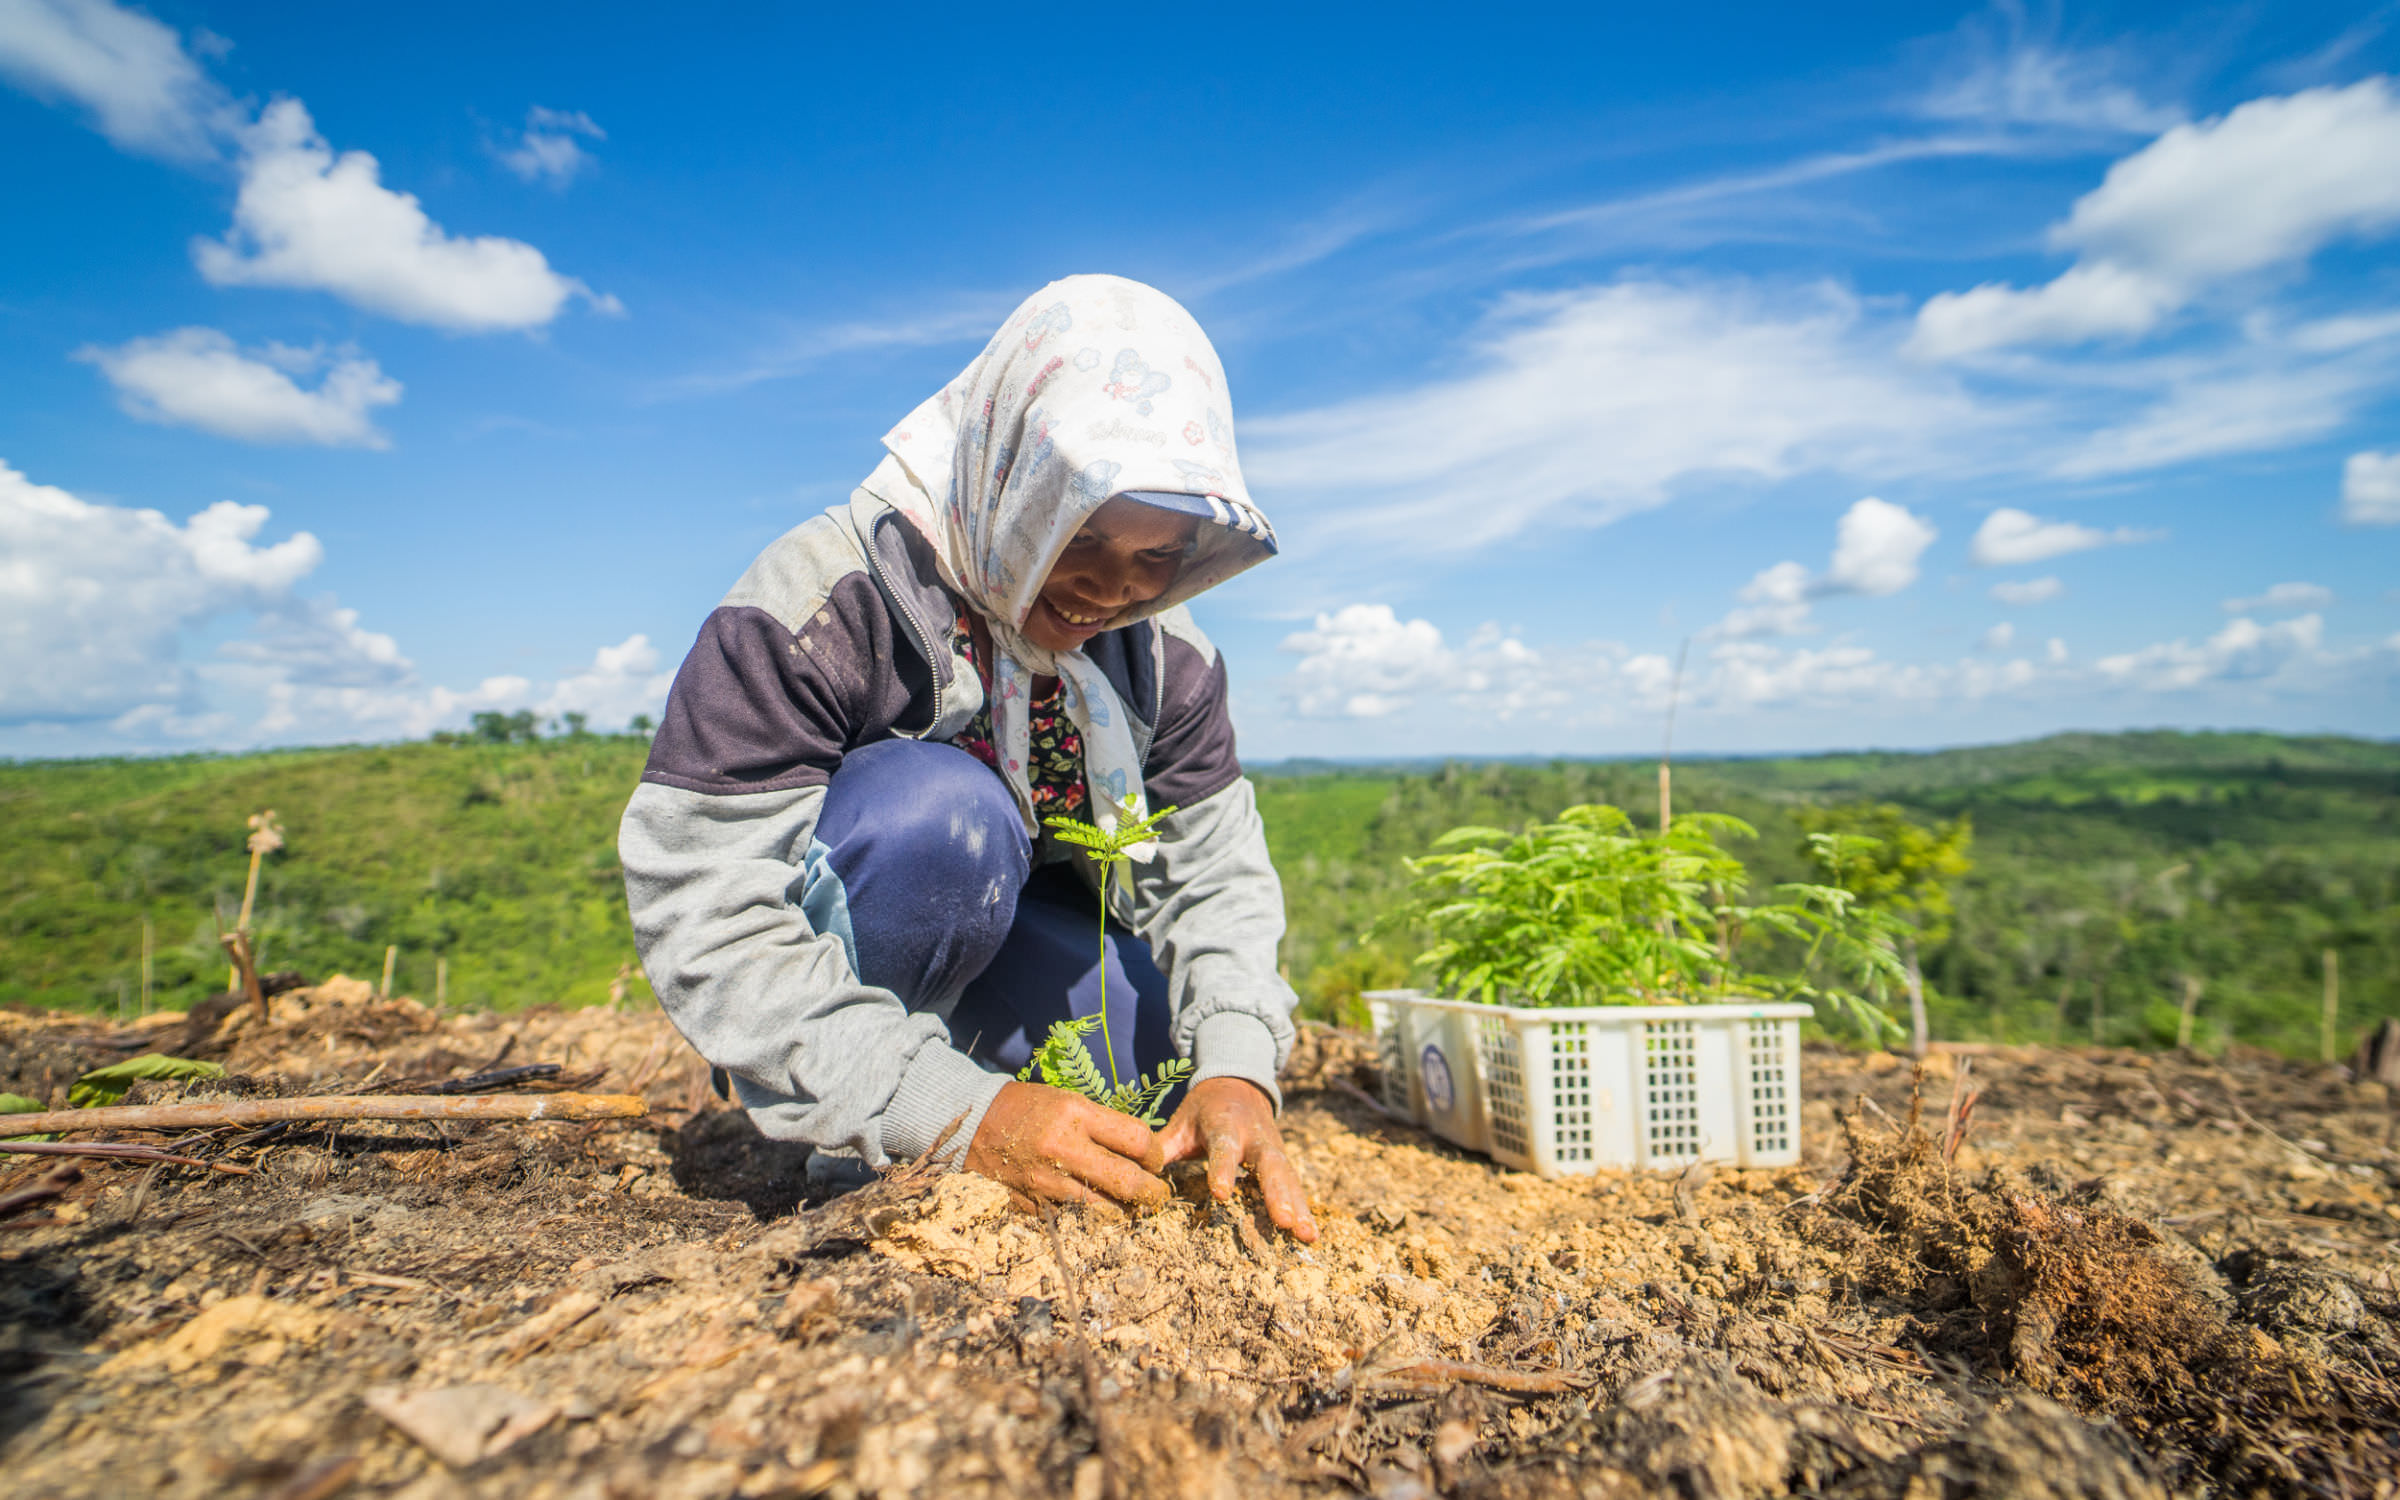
(2108, 867)
(500, 858)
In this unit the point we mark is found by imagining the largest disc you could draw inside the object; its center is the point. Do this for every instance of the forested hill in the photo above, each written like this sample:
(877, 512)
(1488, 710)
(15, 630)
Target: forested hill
(2108, 869)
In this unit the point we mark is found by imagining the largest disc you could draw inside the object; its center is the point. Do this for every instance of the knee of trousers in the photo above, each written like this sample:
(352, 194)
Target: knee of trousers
(933, 809)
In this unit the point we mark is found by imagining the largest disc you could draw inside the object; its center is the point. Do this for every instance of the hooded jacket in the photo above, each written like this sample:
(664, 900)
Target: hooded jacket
(837, 637)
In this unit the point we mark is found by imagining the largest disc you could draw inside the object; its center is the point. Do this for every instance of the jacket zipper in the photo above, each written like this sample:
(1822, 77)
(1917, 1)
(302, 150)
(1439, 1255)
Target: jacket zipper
(916, 627)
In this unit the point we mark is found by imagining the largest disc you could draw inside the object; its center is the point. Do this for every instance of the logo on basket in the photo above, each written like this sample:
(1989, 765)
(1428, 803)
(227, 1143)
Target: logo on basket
(1434, 1069)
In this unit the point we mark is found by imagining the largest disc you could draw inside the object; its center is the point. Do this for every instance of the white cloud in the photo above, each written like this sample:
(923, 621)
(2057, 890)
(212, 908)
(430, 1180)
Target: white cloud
(95, 599)
(2371, 489)
(623, 680)
(1876, 549)
(1999, 637)
(2028, 591)
(2243, 650)
(144, 90)
(548, 150)
(1774, 602)
(196, 377)
(2056, 652)
(2263, 187)
(2283, 596)
(1364, 662)
(307, 218)
(2009, 536)
(317, 643)
(1589, 405)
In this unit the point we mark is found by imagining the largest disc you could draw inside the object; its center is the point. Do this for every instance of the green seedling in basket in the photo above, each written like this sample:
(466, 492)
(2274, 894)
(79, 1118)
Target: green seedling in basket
(1590, 910)
(1063, 1060)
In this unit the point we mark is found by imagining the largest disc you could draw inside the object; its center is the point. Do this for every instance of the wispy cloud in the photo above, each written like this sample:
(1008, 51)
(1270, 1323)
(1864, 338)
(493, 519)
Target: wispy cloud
(960, 319)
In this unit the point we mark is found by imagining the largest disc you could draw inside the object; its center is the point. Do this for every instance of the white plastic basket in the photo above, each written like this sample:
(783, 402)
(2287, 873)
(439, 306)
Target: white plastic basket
(1570, 1090)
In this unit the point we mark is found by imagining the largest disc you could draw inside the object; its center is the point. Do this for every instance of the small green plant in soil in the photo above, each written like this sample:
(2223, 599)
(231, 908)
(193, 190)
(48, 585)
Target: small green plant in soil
(1587, 910)
(1064, 1060)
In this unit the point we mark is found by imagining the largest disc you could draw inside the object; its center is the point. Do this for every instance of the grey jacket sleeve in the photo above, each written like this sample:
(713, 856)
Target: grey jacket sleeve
(722, 913)
(1211, 909)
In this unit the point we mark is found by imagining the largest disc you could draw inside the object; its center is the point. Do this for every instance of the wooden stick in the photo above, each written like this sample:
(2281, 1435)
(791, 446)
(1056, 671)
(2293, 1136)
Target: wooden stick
(2329, 1023)
(391, 956)
(330, 1107)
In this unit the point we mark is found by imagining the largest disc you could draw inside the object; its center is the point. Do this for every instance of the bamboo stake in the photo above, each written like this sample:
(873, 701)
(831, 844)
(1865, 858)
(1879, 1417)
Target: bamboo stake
(146, 968)
(2191, 1007)
(391, 956)
(2331, 1021)
(441, 981)
(329, 1107)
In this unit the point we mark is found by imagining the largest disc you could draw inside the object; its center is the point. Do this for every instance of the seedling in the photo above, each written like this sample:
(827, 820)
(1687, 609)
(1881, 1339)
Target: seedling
(1063, 1060)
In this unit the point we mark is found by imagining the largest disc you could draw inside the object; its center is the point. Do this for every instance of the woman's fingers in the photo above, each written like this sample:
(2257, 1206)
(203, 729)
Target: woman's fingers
(1287, 1201)
(1123, 1180)
(1226, 1149)
(1123, 1134)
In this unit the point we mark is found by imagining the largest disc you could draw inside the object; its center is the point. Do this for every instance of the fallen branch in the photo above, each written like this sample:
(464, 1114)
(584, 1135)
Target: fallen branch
(128, 1150)
(329, 1107)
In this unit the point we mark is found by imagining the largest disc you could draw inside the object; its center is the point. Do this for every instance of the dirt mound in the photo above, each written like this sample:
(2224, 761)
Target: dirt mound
(2122, 1317)
(2139, 1277)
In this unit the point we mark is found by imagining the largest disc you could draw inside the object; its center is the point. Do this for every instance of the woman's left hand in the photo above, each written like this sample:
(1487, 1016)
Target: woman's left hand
(1232, 1123)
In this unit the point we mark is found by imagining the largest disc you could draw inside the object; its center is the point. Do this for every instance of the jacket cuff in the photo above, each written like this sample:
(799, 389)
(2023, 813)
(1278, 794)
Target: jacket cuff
(1231, 1044)
(941, 1084)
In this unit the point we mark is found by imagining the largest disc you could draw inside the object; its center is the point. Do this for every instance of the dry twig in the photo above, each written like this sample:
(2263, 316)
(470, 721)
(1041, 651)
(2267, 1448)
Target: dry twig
(329, 1107)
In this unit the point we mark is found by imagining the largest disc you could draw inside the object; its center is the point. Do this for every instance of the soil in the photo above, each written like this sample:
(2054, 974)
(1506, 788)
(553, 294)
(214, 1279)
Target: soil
(2138, 1276)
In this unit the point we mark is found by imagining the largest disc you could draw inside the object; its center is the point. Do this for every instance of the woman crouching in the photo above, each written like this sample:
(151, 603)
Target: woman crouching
(842, 882)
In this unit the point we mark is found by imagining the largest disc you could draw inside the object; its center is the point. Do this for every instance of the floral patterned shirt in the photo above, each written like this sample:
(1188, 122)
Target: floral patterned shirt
(1054, 754)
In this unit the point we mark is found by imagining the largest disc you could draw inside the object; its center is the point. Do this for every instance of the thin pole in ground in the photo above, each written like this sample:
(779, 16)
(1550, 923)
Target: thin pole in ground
(146, 966)
(2330, 1023)
(391, 956)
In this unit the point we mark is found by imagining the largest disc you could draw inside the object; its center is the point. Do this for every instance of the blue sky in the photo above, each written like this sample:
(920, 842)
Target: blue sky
(1914, 377)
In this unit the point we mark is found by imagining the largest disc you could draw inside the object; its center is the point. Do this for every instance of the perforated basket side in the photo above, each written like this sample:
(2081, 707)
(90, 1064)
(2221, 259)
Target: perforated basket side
(1501, 1054)
(1771, 1069)
(1670, 1091)
(1572, 1135)
(1394, 1054)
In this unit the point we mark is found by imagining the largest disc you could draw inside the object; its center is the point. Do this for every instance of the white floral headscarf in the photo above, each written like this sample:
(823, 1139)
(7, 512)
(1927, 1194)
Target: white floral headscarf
(1095, 387)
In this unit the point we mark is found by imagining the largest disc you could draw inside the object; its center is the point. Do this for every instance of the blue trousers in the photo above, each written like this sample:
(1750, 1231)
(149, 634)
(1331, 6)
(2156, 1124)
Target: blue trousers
(922, 866)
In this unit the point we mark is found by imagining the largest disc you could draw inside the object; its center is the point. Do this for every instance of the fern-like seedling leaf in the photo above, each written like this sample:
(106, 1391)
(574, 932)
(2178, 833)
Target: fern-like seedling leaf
(1064, 1062)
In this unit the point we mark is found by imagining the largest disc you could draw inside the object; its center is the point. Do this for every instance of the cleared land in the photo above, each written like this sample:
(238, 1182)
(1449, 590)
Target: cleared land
(2143, 1275)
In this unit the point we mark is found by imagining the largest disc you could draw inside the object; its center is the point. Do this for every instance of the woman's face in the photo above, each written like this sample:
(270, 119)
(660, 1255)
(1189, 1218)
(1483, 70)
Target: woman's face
(1125, 555)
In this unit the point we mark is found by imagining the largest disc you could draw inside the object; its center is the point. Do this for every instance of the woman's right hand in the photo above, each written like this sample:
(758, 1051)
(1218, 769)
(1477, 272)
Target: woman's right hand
(1050, 1145)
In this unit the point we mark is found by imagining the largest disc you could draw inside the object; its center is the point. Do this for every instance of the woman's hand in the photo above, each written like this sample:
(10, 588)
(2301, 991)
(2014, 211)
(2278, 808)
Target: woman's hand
(1052, 1145)
(1232, 1123)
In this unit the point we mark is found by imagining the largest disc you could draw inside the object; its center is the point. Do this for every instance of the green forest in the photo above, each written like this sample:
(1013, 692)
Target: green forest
(2109, 874)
